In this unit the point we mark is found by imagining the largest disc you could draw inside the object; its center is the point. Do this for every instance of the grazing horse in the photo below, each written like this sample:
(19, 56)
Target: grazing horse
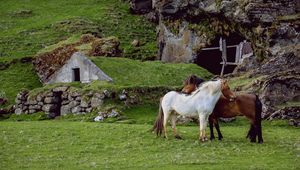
(247, 105)
(199, 104)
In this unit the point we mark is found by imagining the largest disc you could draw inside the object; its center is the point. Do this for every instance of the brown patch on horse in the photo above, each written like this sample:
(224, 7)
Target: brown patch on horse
(188, 89)
(191, 83)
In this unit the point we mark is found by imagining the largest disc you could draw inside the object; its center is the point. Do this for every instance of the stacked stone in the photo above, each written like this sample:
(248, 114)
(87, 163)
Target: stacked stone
(21, 103)
(60, 101)
(74, 102)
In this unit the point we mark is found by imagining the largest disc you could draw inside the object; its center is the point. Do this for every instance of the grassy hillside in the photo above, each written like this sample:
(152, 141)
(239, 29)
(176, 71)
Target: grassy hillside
(126, 72)
(28, 26)
(83, 145)
(18, 76)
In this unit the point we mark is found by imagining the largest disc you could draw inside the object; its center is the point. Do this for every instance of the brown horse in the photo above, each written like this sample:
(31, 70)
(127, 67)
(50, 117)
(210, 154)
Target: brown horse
(247, 105)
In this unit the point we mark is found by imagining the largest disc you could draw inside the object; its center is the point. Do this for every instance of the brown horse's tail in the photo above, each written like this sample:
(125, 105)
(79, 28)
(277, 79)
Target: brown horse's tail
(258, 112)
(158, 125)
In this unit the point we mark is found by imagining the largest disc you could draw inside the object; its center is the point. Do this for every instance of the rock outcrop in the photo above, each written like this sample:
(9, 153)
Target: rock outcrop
(269, 25)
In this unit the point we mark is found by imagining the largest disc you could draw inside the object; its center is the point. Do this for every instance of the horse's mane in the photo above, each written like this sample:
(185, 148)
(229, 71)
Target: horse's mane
(201, 87)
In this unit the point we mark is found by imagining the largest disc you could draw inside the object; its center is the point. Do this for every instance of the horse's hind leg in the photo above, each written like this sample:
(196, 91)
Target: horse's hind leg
(220, 136)
(173, 124)
(252, 133)
(167, 113)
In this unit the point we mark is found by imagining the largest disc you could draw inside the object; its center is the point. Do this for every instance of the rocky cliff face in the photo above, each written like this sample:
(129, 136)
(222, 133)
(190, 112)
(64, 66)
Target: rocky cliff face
(191, 25)
(272, 27)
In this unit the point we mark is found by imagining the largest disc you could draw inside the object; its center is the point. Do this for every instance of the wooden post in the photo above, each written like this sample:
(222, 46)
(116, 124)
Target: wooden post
(224, 54)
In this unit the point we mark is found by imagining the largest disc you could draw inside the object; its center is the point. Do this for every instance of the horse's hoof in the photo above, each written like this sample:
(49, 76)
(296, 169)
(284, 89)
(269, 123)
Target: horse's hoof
(204, 139)
(211, 138)
(178, 137)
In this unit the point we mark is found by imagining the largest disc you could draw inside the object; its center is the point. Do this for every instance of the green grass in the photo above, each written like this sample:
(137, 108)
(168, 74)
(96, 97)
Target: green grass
(17, 77)
(150, 73)
(86, 145)
(143, 114)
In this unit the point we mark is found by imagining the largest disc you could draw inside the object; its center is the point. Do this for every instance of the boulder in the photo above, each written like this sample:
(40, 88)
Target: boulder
(18, 111)
(135, 43)
(3, 101)
(89, 110)
(96, 102)
(98, 118)
(65, 109)
(108, 47)
(140, 6)
(40, 98)
(35, 107)
(49, 100)
(76, 109)
(73, 104)
(113, 113)
(30, 111)
(49, 107)
(84, 103)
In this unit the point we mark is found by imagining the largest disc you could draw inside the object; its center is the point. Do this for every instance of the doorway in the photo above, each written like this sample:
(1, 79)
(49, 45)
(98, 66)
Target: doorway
(76, 74)
(211, 59)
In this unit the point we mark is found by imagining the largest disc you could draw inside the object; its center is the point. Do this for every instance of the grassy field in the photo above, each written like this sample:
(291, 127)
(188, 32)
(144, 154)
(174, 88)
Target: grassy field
(29, 26)
(86, 145)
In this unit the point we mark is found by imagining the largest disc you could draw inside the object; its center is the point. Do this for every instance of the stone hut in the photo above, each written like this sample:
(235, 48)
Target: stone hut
(77, 67)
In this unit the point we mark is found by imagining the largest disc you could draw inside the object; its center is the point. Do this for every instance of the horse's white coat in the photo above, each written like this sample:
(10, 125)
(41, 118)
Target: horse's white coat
(200, 103)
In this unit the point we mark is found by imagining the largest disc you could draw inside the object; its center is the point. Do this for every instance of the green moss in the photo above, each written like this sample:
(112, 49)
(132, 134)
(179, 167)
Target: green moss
(288, 104)
(295, 17)
(242, 82)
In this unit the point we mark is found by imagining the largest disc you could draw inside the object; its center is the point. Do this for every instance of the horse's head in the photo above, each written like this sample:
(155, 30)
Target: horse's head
(226, 90)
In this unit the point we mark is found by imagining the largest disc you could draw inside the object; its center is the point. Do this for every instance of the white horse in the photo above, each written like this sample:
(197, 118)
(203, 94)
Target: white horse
(199, 104)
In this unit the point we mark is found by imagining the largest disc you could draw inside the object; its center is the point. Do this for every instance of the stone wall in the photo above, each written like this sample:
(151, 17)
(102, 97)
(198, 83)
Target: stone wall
(65, 100)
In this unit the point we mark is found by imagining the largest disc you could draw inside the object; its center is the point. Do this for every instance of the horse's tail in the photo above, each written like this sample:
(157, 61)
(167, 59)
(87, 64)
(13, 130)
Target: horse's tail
(258, 112)
(158, 125)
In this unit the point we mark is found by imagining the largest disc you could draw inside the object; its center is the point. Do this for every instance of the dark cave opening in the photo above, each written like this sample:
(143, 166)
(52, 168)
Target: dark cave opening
(211, 59)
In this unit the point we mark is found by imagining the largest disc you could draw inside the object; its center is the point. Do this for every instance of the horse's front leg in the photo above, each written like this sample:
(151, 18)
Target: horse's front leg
(173, 124)
(203, 119)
